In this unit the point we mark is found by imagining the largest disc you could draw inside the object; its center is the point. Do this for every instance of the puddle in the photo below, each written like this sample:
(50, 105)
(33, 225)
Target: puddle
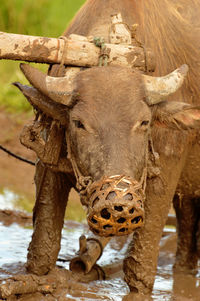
(14, 240)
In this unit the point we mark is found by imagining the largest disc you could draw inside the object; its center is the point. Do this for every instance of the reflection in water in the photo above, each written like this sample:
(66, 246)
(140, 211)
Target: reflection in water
(186, 285)
(14, 241)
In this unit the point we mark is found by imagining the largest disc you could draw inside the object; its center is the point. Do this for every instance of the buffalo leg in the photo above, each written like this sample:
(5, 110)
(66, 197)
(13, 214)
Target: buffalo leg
(52, 191)
(187, 213)
(141, 263)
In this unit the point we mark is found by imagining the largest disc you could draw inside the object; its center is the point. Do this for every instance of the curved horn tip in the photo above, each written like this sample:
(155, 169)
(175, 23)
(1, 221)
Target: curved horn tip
(158, 88)
(183, 69)
(27, 69)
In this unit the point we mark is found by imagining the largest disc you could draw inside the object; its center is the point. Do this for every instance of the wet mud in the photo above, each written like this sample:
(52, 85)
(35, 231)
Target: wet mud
(15, 235)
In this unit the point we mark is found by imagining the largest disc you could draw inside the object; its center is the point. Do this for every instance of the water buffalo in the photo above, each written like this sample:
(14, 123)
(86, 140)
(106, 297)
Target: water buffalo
(117, 120)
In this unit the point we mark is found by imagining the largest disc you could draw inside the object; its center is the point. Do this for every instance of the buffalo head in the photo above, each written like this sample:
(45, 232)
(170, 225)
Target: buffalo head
(108, 113)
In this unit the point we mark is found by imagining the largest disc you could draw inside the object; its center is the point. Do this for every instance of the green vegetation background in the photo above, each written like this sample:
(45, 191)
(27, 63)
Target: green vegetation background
(41, 18)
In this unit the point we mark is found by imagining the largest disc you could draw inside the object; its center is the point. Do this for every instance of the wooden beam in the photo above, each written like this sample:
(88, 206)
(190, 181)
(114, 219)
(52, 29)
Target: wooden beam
(75, 50)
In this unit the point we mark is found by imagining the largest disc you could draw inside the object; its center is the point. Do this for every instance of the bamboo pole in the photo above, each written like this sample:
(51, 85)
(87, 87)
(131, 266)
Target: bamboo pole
(75, 50)
(90, 251)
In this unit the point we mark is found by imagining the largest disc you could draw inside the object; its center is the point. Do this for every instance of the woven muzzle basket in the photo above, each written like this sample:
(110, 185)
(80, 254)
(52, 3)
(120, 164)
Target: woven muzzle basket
(115, 206)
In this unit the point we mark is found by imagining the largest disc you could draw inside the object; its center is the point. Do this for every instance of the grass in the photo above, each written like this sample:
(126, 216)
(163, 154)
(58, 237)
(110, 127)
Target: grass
(11, 98)
(42, 18)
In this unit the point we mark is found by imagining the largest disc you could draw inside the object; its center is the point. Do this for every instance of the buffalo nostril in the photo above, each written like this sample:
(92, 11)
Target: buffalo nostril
(94, 221)
(95, 201)
(105, 213)
(121, 220)
(107, 227)
(111, 195)
(118, 208)
(136, 220)
(132, 210)
(128, 197)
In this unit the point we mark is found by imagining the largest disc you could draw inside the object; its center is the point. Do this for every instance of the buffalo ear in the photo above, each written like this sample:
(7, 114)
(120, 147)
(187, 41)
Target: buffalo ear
(177, 115)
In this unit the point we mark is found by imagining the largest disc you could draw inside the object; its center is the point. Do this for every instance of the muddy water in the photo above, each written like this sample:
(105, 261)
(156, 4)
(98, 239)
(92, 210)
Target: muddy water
(14, 240)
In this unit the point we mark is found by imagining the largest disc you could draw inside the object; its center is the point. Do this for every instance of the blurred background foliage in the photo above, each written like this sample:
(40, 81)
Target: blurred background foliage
(42, 18)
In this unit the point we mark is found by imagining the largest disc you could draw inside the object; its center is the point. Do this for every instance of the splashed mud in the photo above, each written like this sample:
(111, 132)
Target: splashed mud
(15, 237)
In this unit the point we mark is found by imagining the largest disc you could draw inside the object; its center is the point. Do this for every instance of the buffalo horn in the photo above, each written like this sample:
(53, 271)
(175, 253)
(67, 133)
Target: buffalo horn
(158, 88)
(58, 89)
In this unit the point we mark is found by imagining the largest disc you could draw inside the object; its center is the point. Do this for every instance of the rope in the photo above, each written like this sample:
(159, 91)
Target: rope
(61, 68)
(16, 156)
(64, 49)
(82, 182)
(104, 53)
(145, 59)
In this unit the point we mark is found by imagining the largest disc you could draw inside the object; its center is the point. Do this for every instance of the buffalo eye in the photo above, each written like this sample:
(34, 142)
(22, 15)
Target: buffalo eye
(79, 124)
(144, 123)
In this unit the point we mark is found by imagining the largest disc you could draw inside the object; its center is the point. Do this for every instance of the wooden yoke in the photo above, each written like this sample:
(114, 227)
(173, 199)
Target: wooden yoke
(77, 50)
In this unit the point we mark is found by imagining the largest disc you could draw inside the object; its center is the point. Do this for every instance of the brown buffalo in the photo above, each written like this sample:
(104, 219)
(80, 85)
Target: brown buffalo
(117, 122)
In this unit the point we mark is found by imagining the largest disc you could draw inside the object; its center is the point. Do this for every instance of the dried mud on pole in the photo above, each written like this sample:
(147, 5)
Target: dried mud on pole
(75, 51)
